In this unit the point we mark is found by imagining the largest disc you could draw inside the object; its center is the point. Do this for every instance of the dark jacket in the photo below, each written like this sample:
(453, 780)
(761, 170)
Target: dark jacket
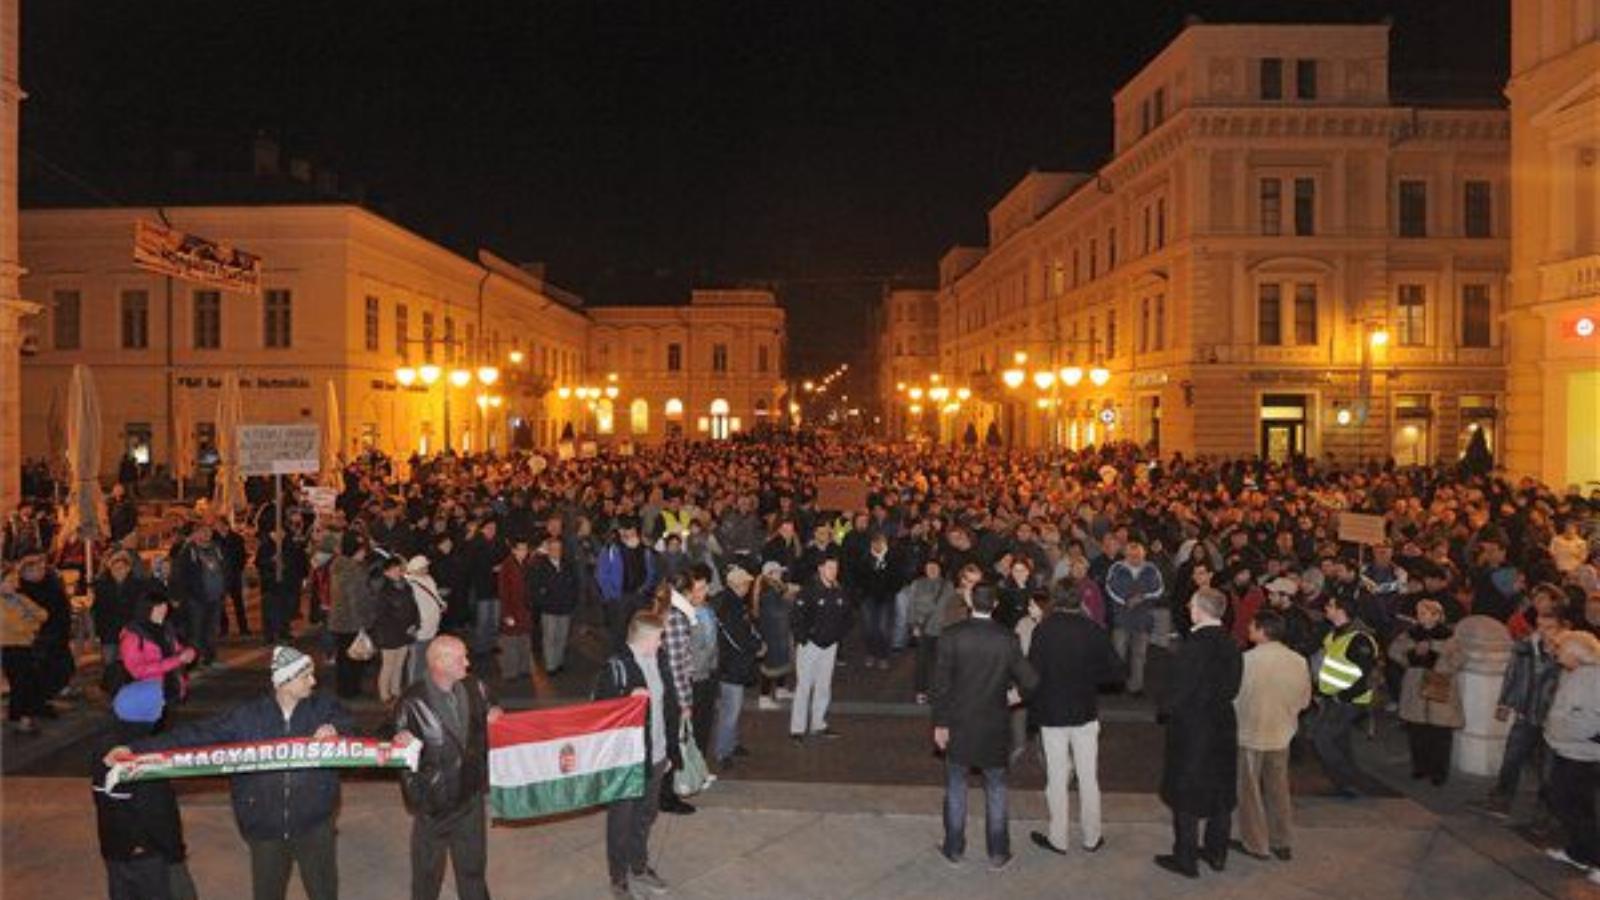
(397, 617)
(1073, 657)
(122, 518)
(1202, 747)
(979, 661)
(554, 591)
(482, 556)
(821, 615)
(454, 767)
(270, 805)
(1530, 680)
(137, 819)
(738, 643)
(114, 603)
(872, 583)
(621, 676)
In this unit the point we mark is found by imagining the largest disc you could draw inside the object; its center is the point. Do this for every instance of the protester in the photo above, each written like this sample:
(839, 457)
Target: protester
(932, 602)
(640, 670)
(979, 662)
(1572, 729)
(20, 622)
(286, 817)
(1199, 775)
(352, 610)
(1526, 691)
(1274, 688)
(53, 659)
(431, 605)
(116, 593)
(874, 580)
(1350, 663)
(449, 711)
(738, 651)
(231, 543)
(149, 648)
(140, 831)
(821, 620)
(515, 590)
(393, 625)
(626, 574)
(555, 590)
(1430, 704)
(1135, 587)
(1073, 658)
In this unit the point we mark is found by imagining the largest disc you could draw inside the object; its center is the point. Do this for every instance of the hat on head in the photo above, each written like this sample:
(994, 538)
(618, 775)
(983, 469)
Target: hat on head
(771, 569)
(288, 664)
(739, 575)
(1282, 585)
(417, 565)
(139, 701)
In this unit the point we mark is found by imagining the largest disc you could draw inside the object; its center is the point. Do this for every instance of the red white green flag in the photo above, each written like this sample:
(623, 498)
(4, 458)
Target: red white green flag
(551, 761)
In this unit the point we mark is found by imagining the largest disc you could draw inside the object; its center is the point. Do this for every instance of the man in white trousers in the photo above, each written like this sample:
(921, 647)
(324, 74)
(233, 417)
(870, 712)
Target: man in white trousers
(821, 620)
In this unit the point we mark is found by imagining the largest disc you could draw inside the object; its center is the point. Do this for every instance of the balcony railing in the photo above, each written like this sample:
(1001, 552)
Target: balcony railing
(1570, 279)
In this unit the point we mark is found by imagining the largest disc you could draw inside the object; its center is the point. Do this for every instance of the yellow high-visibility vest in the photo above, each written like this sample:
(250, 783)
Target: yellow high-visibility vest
(674, 522)
(1338, 674)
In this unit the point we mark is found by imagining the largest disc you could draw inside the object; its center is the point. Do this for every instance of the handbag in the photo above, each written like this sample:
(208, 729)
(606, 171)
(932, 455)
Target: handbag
(361, 648)
(693, 776)
(1437, 687)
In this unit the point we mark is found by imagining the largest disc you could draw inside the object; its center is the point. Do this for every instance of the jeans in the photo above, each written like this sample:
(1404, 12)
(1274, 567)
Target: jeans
(1330, 737)
(277, 605)
(729, 704)
(516, 656)
(314, 851)
(927, 653)
(1572, 790)
(1266, 817)
(553, 631)
(417, 662)
(234, 593)
(1133, 646)
(1068, 750)
(996, 833)
(813, 687)
(203, 616)
(462, 835)
(877, 622)
(485, 625)
(902, 608)
(392, 674)
(628, 824)
(1524, 744)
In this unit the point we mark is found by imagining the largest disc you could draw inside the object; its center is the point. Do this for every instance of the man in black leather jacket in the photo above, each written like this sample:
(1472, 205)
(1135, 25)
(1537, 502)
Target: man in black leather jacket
(449, 711)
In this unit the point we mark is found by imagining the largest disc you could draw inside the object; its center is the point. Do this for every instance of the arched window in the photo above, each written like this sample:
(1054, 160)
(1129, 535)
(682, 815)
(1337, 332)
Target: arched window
(639, 414)
(605, 417)
(674, 408)
(719, 419)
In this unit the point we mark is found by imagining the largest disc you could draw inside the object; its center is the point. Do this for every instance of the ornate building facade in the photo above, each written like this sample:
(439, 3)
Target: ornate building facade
(1553, 377)
(1277, 259)
(907, 351)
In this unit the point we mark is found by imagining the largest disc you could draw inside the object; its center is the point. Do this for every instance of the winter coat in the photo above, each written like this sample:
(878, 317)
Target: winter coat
(147, 650)
(1073, 658)
(1135, 595)
(137, 819)
(482, 557)
(932, 603)
(1200, 770)
(774, 617)
(1445, 656)
(554, 587)
(738, 643)
(396, 619)
(454, 766)
(1274, 689)
(621, 676)
(1573, 724)
(114, 603)
(821, 615)
(430, 606)
(979, 661)
(610, 569)
(269, 805)
(516, 610)
(354, 601)
(1530, 680)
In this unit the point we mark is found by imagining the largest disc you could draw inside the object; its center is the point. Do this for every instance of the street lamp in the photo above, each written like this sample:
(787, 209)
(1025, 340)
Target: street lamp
(406, 376)
(963, 394)
(516, 357)
(563, 392)
(1071, 376)
(1099, 375)
(1044, 379)
(488, 375)
(460, 377)
(429, 373)
(1013, 378)
(1379, 338)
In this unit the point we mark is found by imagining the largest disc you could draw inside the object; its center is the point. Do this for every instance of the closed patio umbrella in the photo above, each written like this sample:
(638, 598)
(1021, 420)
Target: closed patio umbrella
(228, 494)
(86, 507)
(332, 440)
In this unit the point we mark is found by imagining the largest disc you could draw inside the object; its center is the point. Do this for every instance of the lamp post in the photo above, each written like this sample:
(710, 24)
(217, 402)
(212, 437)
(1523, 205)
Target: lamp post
(429, 374)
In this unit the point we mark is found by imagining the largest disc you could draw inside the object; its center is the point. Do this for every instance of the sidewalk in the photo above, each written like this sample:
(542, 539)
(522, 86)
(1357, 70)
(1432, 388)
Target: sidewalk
(782, 840)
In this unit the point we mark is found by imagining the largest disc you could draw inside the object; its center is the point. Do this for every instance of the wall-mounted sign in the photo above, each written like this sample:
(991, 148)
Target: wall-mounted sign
(1108, 416)
(167, 251)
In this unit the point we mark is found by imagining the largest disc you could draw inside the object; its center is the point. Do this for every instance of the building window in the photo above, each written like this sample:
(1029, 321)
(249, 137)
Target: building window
(1111, 334)
(1144, 325)
(402, 330)
(1094, 260)
(1272, 79)
(1269, 315)
(1076, 269)
(372, 325)
(1411, 316)
(427, 337)
(1161, 322)
(1148, 235)
(1475, 315)
(1161, 222)
(674, 357)
(1477, 210)
(1305, 79)
(719, 357)
(449, 341)
(1305, 314)
(1144, 118)
(208, 320)
(470, 348)
(1158, 106)
(1413, 209)
(278, 308)
(763, 361)
(67, 319)
(639, 416)
(1111, 249)
(1305, 207)
(1271, 206)
(1094, 339)
(135, 320)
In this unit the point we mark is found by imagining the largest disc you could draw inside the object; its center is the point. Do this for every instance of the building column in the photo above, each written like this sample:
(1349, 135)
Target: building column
(12, 306)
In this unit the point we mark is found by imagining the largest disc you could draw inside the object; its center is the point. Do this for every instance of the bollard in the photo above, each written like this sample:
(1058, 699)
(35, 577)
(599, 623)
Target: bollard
(1481, 742)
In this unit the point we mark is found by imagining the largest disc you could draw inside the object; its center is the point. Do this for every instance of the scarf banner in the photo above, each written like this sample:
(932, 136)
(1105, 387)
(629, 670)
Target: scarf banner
(265, 756)
(551, 761)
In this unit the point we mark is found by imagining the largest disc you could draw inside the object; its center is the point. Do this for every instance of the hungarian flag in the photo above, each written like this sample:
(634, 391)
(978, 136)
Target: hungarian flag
(551, 761)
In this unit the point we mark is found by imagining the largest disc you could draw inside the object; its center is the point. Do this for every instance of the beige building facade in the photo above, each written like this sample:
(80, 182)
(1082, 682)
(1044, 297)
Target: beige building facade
(12, 307)
(704, 370)
(1553, 377)
(348, 299)
(907, 354)
(1277, 259)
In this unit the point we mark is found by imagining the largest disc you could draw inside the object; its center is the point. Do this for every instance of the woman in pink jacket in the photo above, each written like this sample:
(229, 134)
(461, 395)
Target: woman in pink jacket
(150, 648)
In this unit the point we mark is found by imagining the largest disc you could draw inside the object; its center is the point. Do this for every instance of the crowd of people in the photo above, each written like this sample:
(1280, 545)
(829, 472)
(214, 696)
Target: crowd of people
(1023, 583)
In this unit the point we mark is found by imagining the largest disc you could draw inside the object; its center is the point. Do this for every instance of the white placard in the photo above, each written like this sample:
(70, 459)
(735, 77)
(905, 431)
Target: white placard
(1360, 528)
(279, 449)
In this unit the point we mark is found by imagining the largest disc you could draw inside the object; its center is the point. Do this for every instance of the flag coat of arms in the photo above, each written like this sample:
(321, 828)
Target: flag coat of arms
(551, 761)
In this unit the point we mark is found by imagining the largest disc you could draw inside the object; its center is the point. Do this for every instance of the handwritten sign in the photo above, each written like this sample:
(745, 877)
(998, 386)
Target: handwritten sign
(1360, 528)
(279, 449)
(841, 493)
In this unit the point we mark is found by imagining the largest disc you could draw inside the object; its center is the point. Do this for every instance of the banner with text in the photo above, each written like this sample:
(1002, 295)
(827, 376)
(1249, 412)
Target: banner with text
(264, 756)
(279, 449)
(168, 251)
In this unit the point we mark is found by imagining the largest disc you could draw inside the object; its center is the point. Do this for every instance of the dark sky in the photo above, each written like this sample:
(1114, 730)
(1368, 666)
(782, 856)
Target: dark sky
(641, 147)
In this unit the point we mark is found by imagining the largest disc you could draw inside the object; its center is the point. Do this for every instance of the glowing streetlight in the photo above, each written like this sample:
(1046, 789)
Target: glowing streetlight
(460, 377)
(1013, 378)
(810, 385)
(963, 394)
(939, 394)
(900, 387)
(1379, 338)
(1044, 379)
(934, 378)
(1020, 358)
(1342, 417)
(488, 375)
(916, 393)
(916, 409)
(564, 392)
(1071, 376)
(612, 391)
(429, 373)
(1099, 375)
(406, 376)
(516, 357)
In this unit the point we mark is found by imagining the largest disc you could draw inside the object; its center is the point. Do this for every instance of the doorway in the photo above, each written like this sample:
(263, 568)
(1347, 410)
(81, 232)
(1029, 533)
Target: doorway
(1283, 426)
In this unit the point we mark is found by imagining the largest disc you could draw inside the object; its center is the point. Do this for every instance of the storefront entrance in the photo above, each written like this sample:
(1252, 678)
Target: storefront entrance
(1283, 426)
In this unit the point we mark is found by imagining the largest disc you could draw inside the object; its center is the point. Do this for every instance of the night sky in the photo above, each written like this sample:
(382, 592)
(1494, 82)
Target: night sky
(639, 148)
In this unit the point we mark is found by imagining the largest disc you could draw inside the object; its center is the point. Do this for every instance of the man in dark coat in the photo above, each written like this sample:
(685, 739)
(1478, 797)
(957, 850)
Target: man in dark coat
(979, 661)
(1200, 775)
